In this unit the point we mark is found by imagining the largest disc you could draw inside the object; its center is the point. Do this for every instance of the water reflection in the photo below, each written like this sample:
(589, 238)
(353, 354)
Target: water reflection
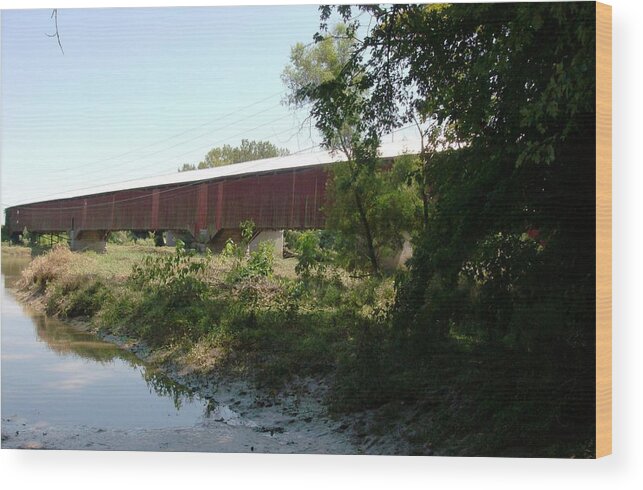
(12, 269)
(52, 368)
(164, 386)
(65, 340)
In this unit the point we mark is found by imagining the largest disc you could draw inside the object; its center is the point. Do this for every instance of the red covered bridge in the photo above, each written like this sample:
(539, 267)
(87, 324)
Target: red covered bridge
(205, 205)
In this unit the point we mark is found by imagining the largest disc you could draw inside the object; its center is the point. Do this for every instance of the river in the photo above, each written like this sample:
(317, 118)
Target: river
(53, 373)
(67, 389)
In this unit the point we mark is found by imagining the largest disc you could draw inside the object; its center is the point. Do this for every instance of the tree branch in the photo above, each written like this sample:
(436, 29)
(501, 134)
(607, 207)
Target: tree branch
(54, 15)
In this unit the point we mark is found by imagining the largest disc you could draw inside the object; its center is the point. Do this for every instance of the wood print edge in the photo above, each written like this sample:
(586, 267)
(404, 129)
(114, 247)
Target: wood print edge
(603, 230)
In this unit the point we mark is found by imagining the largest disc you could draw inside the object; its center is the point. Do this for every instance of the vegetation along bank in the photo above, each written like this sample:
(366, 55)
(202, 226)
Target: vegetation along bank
(277, 322)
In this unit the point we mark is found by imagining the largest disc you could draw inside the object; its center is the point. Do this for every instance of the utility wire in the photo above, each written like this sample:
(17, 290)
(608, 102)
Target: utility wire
(51, 197)
(144, 196)
(155, 164)
(164, 140)
(245, 132)
(247, 170)
(156, 152)
(209, 145)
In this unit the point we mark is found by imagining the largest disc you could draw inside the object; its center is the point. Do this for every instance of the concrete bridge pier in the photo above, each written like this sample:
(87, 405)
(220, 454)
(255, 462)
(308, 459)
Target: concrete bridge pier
(170, 238)
(95, 240)
(15, 238)
(276, 237)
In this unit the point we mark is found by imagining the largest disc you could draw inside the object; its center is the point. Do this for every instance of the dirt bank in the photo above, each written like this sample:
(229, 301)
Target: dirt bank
(290, 414)
(241, 418)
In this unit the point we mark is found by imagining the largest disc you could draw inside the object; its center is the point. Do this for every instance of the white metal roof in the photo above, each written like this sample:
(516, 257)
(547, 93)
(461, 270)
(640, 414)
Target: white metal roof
(321, 157)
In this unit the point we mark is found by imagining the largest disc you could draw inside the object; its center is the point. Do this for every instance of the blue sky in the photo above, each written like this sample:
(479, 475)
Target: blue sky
(140, 91)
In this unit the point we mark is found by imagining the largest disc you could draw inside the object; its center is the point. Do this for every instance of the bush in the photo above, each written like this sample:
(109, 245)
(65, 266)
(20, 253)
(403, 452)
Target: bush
(258, 264)
(84, 299)
(118, 315)
(311, 258)
(177, 277)
(362, 379)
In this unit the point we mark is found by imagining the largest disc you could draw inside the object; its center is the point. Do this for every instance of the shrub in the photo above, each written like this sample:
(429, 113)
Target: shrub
(262, 260)
(85, 300)
(311, 258)
(258, 264)
(247, 231)
(118, 315)
(177, 277)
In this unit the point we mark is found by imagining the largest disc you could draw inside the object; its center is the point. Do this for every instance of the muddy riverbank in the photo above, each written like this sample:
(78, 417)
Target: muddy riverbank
(235, 415)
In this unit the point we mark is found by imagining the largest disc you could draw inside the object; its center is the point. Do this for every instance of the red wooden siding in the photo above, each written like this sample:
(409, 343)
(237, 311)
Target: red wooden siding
(290, 199)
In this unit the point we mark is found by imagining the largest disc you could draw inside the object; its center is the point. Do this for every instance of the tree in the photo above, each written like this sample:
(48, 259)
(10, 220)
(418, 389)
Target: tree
(391, 209)
(514, 83)
(315, 75)
(246, 151)
(507, 253)
(311, 65)
(5, 233)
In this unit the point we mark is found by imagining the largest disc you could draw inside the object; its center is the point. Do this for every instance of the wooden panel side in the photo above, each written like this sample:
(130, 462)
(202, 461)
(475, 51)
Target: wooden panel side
(603, 230)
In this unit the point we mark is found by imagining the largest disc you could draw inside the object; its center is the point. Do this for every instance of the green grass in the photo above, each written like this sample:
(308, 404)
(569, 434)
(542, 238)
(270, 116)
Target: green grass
(117, 262)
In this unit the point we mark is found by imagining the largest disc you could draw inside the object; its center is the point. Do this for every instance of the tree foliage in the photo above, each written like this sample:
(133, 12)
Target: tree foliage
(392, 209)
(315, 75)
(312, 258)
(507, 251)
(225, 155)
(314, 64)
(515, 83)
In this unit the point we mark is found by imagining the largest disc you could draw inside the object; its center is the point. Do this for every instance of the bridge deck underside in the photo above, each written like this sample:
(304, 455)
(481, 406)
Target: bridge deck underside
(285, 200)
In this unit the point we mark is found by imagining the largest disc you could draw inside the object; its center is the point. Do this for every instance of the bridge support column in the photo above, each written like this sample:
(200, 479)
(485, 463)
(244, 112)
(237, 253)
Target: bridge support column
(399, 258)
(95, 240)
(276, 237)
(159, 241)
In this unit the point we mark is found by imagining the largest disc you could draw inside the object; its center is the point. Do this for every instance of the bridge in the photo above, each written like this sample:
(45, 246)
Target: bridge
(204, 206)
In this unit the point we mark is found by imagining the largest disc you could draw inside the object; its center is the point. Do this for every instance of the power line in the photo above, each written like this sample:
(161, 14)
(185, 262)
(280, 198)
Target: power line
(150, 145)
(172, 157)
(243, 133)
(156, 152)
(49, 196)
(209, 145)
(174, 135)
(52, 197)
